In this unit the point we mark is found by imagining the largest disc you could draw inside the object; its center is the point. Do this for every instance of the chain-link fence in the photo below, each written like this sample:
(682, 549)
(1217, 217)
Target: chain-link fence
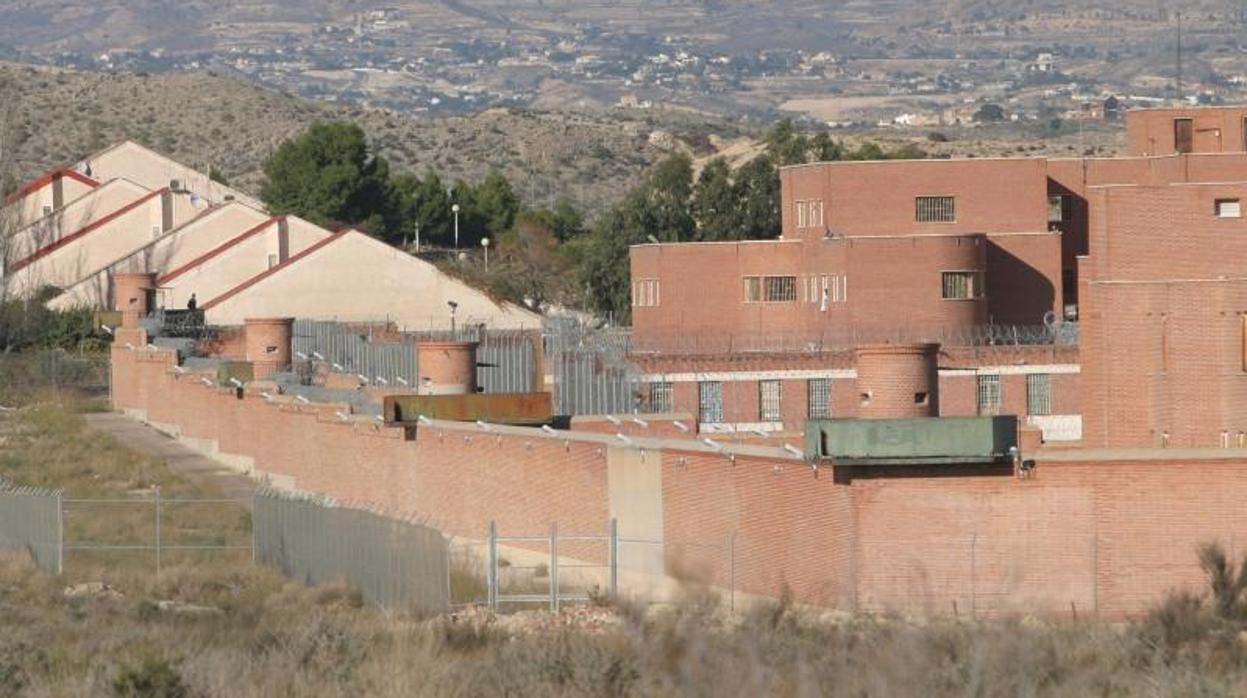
(26, 375)
(393, 563)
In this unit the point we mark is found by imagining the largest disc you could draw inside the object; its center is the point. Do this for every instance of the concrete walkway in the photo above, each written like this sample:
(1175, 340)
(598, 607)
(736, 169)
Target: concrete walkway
(179, 458)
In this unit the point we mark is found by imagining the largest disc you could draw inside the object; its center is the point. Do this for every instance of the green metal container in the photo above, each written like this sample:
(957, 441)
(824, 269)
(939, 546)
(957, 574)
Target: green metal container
(244, 371)
(920, 441)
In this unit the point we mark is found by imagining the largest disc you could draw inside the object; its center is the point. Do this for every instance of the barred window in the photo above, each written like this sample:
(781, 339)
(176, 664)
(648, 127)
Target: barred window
(661, 398)
(833, 287)
(710, 402)
(1058, 208)
(962, 285)
(809, 213)
(769, 401)
(989, 395)
(934, 209)
(819, 398)
(1038, 394)
(645, 293)
(770, 289)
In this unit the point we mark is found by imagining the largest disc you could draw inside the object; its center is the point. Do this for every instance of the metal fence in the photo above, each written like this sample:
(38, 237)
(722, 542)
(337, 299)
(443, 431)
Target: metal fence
(557, 567)
(23, 375)
(30, 522)
(153, 529)
(383, 354)
(393, 563)
(835, 340)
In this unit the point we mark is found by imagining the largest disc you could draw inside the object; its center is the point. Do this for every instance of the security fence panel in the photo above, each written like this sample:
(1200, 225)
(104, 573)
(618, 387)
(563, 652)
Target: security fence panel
(30, 522)
(392, 563)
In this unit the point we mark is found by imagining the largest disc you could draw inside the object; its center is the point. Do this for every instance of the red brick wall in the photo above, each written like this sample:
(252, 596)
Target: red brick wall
(877, 198)
(1109, 537)
(1215, 130)
(1164, 333)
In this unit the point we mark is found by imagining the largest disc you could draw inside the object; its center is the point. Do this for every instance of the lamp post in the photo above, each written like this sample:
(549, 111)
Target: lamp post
(455, 209)
(417, 237)
(485, 244)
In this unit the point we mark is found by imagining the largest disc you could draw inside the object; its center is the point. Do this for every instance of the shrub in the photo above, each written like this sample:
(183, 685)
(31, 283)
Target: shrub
(153, 678)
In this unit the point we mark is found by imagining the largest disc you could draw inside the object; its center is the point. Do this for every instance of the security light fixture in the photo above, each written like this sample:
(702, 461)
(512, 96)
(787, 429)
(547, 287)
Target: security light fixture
(107, 329)
(793, 450)
(362, 378)
(652, 239)
(626, 441)
(152, 347)
(549, 430)
(640, 422)
(317, 355)
(424, 420)
(206, 382)
(712, 444)
(401, 380)
(179, 369)
(341, 415)
(235, 382)
(484, 425)
(681, 426)
(381, 381)
(760, 433)
(613, 420)
(302, 399)
(301, 355)
(338, 367)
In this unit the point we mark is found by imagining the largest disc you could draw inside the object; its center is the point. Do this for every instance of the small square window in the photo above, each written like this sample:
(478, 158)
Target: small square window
(934, 209)
(962, 285)
(1229, 208)
(661, 398)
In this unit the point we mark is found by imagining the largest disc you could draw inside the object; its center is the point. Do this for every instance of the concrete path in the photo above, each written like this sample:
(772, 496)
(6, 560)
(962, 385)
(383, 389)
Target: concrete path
(179, 458)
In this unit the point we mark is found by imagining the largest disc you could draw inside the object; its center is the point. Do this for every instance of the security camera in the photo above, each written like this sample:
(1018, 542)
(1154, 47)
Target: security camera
(453, 305)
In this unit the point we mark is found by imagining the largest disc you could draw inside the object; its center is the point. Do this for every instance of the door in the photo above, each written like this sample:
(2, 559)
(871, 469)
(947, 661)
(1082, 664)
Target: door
(1183, 135)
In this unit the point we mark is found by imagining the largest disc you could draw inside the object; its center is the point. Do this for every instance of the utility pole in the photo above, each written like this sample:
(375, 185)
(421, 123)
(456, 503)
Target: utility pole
(1179, 85)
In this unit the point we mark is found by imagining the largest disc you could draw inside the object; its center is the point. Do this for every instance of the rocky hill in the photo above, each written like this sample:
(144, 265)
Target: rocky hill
(209, 120)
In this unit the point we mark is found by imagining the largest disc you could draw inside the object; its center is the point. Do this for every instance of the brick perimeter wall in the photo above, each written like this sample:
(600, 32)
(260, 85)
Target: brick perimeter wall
(1104, 536)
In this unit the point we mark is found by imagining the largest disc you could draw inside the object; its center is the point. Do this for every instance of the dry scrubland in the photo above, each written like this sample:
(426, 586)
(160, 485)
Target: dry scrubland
(223, 628)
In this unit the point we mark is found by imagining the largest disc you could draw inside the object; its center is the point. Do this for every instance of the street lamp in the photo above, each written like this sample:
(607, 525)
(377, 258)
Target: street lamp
(455, 208)
(417, 237)
(485, 244)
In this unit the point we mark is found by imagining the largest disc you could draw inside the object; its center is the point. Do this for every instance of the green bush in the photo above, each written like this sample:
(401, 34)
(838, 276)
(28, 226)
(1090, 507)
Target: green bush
(153, 678)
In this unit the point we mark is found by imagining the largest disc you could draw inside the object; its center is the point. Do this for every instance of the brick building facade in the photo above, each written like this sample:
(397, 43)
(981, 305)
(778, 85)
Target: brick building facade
(964, 252)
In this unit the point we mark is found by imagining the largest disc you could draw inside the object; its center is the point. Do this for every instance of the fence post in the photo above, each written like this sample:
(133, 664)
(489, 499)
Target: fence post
(614, 558)
(491, 569)
(554, 567)
(255, 502)
(60, 533)
(157, 530)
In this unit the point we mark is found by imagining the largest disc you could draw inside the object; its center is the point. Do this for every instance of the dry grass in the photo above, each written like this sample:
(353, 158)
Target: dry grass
(226, 628)
(272, 637)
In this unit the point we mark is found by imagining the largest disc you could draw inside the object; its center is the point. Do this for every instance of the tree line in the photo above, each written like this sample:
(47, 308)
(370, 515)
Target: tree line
(330, 176)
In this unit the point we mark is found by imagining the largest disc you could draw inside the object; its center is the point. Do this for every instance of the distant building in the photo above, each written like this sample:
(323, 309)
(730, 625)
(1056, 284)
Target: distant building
(129, 210)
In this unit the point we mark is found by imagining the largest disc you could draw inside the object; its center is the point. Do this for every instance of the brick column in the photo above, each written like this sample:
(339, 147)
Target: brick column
(267, 343)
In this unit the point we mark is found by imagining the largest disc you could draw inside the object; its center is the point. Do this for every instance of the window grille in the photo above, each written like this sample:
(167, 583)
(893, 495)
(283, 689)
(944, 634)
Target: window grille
(962, 285)
(770, 289)
(989, 395)
(1038, 394)
(934, 209)
(661, 398)
(769, 401)
(819, 398)
(710, 402)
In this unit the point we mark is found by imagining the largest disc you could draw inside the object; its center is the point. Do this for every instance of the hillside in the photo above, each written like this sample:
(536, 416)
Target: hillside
(209, 120)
